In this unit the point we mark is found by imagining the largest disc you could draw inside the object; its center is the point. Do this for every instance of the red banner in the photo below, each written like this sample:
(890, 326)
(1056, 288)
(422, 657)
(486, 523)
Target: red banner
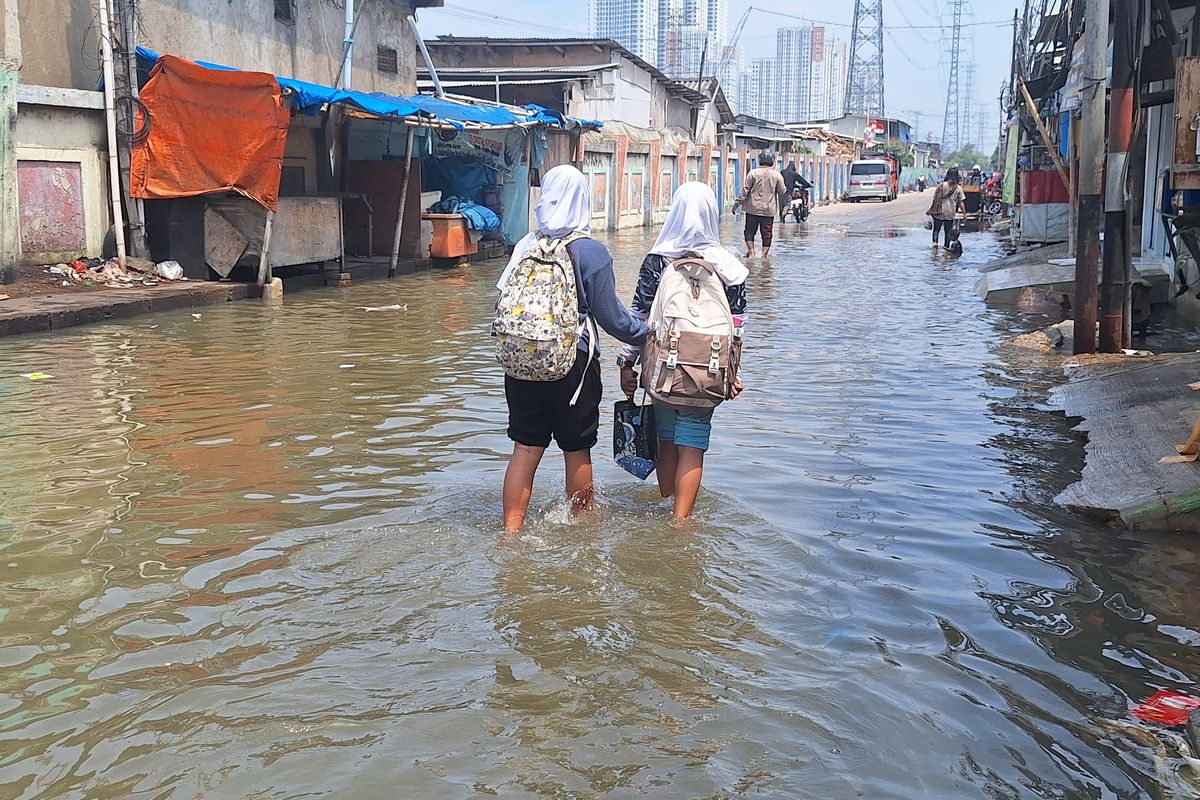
(210, 131)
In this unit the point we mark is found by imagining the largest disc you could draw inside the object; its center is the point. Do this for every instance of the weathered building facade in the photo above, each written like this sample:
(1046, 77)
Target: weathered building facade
(53, 178)
(657, 132)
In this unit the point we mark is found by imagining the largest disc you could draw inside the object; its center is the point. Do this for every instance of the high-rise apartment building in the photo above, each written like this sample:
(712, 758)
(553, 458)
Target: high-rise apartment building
(757, 92)
(674, 35)
(632, 23)
(808, 77)
(793, 72)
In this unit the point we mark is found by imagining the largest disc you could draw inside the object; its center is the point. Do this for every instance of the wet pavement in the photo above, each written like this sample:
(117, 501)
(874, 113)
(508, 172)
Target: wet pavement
(257, 554)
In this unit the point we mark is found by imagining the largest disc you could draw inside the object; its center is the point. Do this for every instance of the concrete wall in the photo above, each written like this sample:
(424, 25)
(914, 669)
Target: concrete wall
(60, 45)
(62, 176)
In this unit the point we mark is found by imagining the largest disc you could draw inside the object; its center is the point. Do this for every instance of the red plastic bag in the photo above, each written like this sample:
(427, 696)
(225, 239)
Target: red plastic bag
(1168, 708)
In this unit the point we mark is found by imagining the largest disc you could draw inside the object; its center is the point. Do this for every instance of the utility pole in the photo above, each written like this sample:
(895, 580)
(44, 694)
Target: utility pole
(10, 208)
(1116, 268)
(1091, 174)
(126, 86)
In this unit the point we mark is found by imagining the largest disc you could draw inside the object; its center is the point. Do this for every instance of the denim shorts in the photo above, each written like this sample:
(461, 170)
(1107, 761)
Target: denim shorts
(684, 428)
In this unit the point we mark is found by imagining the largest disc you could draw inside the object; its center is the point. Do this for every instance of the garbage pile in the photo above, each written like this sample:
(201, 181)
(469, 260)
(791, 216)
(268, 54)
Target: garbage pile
(90, 272)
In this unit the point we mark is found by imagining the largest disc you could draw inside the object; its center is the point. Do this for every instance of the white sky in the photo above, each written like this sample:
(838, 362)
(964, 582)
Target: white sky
(916, 62)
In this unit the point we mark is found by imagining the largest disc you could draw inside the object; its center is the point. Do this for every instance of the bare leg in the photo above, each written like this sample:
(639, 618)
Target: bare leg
(518, 484)
(766, 253)
(689, 470)
(579, 480)
(749, 248)
(668, 458)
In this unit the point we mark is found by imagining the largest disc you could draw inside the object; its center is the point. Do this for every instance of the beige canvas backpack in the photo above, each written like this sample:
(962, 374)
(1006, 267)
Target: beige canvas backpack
(693, 351)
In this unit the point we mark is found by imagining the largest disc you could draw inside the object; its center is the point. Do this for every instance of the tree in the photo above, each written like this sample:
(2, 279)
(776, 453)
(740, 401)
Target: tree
(901, 152)
(966, 157)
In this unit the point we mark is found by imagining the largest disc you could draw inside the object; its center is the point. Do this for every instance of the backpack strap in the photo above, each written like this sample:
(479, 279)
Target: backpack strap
(588, 325)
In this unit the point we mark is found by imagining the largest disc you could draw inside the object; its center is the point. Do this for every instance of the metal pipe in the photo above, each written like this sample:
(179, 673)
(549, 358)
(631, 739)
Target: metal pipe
(437, 83)
(408, 150)
(1116, 233)
(348, 44)
(110, 118)
(1091, 175)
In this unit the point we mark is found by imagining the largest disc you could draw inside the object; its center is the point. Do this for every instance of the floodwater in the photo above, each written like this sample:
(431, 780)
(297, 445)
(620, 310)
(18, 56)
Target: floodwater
(256, 554)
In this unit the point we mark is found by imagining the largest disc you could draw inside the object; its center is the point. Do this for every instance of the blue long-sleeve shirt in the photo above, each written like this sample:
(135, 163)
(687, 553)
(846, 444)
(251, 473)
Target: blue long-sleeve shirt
(597, 288)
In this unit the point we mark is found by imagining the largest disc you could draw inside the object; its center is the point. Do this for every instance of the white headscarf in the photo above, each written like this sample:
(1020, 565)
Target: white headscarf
(691, 227)
(565, 207)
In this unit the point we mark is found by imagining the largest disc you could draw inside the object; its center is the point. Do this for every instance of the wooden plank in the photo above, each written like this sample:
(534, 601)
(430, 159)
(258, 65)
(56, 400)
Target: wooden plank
(1187, 107)
(63, 98)
(1135, 412)
(223, 243)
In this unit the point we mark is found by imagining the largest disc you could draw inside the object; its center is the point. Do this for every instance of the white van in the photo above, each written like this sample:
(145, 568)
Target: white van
(872, 177)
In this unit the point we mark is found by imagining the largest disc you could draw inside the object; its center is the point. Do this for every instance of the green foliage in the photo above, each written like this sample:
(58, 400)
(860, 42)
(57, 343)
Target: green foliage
(901, 152)
(966, 157)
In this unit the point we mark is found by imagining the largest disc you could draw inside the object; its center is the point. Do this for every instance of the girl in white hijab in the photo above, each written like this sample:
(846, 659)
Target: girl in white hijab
(691, 228)
(567, 410)
(564, 208)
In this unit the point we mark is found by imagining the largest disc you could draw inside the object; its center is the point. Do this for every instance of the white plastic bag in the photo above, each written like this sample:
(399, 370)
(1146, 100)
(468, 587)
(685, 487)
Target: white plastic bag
(169, 270)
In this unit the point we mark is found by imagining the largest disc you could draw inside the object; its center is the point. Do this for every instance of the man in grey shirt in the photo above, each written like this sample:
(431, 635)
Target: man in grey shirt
(761, 195)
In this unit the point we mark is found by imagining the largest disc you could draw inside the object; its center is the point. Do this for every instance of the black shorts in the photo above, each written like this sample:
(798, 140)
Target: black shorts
(538, 410)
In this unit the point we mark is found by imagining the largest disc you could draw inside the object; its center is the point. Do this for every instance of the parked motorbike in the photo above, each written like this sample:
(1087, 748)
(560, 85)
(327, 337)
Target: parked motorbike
(798, 206)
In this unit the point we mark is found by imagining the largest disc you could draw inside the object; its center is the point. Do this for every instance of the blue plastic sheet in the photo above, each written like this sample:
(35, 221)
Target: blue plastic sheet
(309, 98)
(515, 196)
(454, 176)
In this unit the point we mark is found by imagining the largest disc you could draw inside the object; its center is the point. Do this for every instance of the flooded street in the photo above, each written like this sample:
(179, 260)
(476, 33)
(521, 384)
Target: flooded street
(256, 553)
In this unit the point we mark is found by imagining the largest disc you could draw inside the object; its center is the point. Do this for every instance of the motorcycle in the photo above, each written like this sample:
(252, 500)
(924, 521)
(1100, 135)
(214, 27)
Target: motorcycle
(993, 200)
(798, 206)
(922, 182)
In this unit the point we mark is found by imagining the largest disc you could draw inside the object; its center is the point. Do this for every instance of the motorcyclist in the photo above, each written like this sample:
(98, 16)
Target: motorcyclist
(922, 182)
(791, 179)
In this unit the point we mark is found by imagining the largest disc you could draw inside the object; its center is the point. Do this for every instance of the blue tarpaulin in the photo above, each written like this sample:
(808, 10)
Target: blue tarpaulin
(309, 98)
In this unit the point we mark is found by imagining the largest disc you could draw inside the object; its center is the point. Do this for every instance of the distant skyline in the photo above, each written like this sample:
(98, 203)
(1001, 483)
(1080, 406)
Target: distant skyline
(916, 63)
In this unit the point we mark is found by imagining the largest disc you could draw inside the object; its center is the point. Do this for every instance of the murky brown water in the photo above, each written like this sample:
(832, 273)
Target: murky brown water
(256, 554)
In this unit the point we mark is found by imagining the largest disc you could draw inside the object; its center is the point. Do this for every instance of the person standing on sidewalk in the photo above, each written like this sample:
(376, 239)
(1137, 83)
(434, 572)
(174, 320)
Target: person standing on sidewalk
(761, 196)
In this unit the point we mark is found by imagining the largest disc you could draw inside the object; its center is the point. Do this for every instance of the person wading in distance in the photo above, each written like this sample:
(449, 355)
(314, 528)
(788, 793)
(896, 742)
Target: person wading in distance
(761, 197)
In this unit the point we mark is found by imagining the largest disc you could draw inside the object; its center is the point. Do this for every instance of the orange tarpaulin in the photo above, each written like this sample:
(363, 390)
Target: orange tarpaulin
(210, 131)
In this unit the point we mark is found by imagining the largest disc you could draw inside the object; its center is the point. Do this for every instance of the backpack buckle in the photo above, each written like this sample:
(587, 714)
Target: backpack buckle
(716, 345)
(673, 360)
(714, 365)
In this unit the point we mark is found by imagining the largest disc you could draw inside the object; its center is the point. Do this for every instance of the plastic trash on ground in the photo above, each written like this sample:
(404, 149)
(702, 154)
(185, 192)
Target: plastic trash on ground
(1167, 708)
(169, 270)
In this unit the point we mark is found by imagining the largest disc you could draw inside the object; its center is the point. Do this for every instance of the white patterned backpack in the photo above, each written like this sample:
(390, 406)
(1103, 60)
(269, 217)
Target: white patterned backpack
(537, 325)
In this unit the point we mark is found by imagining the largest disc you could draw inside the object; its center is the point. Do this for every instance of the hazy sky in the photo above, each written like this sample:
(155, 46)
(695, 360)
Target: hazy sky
(916, 50)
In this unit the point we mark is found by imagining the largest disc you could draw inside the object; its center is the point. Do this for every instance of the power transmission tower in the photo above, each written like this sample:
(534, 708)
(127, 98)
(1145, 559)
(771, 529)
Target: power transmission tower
(983, 124)
(968, 99)
(951, 121)
(864, 81)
